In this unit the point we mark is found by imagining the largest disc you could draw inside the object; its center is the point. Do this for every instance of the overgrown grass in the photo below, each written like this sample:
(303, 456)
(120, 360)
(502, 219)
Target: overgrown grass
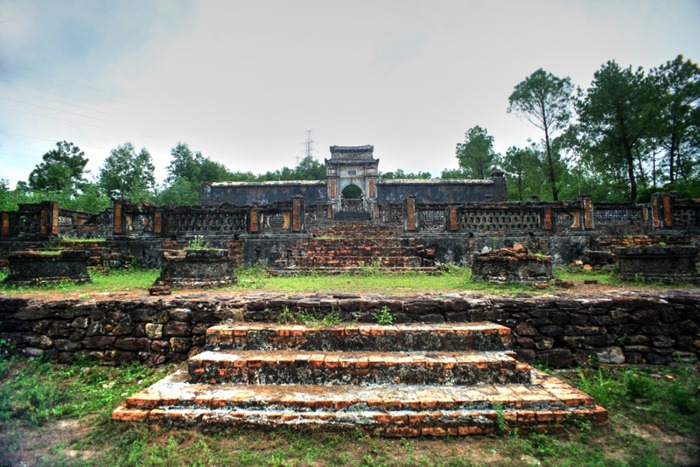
(372, 280)
(35, 396)
(671, 396)
(83, 240)
(369, 280)
(114, 280)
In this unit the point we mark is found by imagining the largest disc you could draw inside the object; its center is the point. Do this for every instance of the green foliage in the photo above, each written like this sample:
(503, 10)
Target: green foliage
(61, 170)
(524, 168)
(126, 174)
(618, 117)
(38, 391)
(300, 316)
(597, 386)
(399, 174)
(198, 243)
(383, 316)
(476, 156)
(187, 172)
(545, 101)
(678, 84)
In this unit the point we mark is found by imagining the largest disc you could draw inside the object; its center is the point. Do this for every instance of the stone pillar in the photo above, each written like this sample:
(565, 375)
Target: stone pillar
(54, 217)
(548, 218)
(118, 228)
(668, 211)
(44, 220)
(297, 213)
(158, 222)
(587, 212)
(254, 221)
(5, 231)
(410, 213)
(661, 211)
(499, 186)
(453, 219)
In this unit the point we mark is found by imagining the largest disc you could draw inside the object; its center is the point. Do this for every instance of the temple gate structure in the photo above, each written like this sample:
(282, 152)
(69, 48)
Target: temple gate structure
(354, 190)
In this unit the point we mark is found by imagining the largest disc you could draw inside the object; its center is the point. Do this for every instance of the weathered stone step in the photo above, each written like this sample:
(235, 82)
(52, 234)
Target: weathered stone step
(368, 337)
(358, 261)
(356, 368)
(325, 270)
(387, 410)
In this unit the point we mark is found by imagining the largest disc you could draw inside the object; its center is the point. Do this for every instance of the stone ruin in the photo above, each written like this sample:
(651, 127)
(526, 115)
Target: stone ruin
(46, 267)
(512, 266)
(199, 268)
(398, 224)
(658, 263)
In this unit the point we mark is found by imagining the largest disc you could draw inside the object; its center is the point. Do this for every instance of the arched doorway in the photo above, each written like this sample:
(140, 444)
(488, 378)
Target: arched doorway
(352, 198)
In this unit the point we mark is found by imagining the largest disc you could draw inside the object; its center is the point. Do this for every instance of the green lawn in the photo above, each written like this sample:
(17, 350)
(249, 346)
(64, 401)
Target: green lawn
(370, 280)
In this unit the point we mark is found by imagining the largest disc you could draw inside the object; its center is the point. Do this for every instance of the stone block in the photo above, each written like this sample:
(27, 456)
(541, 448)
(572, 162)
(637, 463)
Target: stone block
(176, 328)
(613, 355)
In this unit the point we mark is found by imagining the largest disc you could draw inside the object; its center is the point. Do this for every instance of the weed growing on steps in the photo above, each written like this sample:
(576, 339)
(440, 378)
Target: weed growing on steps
(198, 243)
(300, 316)
(597, 386)
(383, 316)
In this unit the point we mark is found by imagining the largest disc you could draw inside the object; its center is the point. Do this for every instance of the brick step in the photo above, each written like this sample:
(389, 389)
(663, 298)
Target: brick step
(356, 368)
(405, 411)
(360, 254)
(343, 248)
(358, 261)
(368, 337)
(324, 270)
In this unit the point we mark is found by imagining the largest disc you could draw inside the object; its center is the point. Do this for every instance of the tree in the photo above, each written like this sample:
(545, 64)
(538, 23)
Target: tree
(618, 116)
(126, 174)
(310, 169)
(185, 164)
(61, 170)
(545, 101)
(402, 174)
(476, 155)
(679, 111)
(523, 167)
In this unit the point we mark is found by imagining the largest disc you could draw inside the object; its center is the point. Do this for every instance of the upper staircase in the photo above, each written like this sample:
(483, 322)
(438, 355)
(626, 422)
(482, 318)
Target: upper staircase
(351, 246)
(396, 380)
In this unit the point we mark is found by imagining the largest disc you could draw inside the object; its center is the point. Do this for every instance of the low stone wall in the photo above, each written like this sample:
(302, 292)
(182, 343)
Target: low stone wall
(657, 327)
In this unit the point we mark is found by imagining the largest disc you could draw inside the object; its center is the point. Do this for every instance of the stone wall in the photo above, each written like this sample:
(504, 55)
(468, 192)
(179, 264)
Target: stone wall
(261, 193)
(658, 327)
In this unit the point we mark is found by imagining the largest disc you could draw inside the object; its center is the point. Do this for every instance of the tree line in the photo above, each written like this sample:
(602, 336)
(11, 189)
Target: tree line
(631, 133)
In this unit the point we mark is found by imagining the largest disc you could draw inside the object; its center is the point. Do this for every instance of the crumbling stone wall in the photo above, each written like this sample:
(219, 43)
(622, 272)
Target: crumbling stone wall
(561, 331)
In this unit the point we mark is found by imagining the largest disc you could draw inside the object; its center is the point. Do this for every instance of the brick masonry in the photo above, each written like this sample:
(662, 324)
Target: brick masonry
(657, 327)
(404, 394)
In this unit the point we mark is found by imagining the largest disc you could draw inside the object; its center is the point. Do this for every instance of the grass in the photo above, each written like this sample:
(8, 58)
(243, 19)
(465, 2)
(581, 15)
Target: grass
(115, 280)
(59, 414)
(83, 240)
(369, 280)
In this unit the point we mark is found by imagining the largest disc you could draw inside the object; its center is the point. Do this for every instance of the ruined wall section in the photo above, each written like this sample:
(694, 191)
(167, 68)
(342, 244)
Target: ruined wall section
(659, 327)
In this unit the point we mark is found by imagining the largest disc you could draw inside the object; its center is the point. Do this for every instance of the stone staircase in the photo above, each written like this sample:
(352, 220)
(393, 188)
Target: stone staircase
(351, 246)
(396, 380)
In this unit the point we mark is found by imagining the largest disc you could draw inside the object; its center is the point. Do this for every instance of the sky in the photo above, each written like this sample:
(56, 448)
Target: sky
(244, 81)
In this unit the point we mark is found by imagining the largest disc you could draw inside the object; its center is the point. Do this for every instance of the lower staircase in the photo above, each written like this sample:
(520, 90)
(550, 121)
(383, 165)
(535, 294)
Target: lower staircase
(391, 380)
(353, 246)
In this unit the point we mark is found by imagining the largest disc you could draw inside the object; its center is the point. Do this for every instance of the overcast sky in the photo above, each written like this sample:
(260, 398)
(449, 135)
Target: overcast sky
(243, 81)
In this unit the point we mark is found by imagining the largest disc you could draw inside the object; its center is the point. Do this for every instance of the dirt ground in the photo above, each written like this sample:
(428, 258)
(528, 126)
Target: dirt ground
(579, 288)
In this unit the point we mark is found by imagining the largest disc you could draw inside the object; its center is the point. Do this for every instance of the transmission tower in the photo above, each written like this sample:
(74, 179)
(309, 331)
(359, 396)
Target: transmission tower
(309, 145)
